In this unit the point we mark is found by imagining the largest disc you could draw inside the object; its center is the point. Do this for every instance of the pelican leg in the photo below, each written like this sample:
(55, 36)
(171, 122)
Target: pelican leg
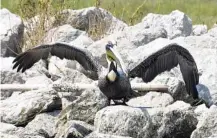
(109, 102)
(124, 101)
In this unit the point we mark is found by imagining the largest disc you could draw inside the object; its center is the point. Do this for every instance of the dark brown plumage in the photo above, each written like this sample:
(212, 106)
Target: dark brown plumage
(164, 60)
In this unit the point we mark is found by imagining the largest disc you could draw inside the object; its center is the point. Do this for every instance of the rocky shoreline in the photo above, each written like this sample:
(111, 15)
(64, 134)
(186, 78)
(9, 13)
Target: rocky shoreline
(84, 113)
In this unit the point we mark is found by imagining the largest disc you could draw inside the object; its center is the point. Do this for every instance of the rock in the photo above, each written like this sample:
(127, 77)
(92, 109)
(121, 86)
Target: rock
(176, 120)
(4, 135)
(10, 77)
(9, 130)
(84, 107)
(72, 76)
(176, 23)
(140, 35)
(100, 135)
(20, 109)
(151, 99)
(39, 80)
(5, 127)
(201, 111)
(123, 121)
(74, 129)
(203, 41)
(199, 30)
(11, 33)
(65, 33)
(207, 126)
(212, 32)
(96, 21)
(44, 122)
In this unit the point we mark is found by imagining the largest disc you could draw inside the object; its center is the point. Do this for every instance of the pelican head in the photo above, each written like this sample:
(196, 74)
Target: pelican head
(114, 59)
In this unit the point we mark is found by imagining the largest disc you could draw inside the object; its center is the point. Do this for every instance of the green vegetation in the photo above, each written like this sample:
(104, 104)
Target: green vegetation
(130, 11)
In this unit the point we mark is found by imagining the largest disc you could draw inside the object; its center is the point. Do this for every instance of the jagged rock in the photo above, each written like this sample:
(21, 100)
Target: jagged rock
(151, 99)
(44, 123)
(176, 23)
(207, 126)
(123, 121)
(10, 77)
(65, 33)
(176, 120)
(199, 30)
(11, 131)
(100, 135)
(74, 129)
(20, 109)
(72, 76)
(96, 21)
(84, 107)
(11, 33)
(140, 35)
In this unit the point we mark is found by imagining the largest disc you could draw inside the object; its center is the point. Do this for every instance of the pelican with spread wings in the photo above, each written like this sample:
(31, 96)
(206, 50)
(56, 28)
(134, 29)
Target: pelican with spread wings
(112, 82)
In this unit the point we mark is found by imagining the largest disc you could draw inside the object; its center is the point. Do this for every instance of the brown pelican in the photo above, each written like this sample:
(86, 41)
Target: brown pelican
(115, 83)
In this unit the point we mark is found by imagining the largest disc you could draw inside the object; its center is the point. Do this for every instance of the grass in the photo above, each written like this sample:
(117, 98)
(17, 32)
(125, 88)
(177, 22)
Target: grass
(132, 11)
(129, 11)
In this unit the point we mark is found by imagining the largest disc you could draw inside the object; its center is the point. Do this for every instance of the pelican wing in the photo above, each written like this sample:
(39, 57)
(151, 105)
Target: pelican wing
(27, 59)
(166, 59)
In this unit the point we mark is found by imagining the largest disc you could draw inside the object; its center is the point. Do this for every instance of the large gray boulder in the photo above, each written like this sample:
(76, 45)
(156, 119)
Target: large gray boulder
(71, 76)
(44, 123)
(123, 121)
(74, 129)
(64, 33)
(20, 109)
(11, 33)
(176, 120)
(84, 107)
(207, 126)
(11, 131)
(151, 99)
(96, 21)
(176, 23)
